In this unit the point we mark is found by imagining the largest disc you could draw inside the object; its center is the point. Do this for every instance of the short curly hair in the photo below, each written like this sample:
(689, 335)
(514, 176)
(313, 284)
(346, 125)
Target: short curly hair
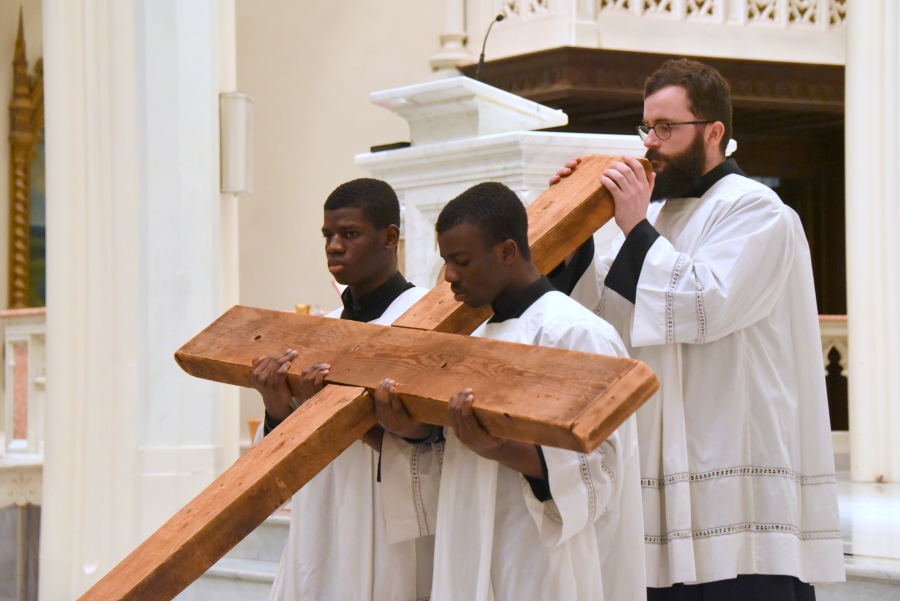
(492, 207)
(376, 198)
(708, 91)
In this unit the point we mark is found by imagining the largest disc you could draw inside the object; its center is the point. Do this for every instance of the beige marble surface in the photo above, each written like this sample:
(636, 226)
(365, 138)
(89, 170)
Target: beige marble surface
(870, 527)
(870, 518)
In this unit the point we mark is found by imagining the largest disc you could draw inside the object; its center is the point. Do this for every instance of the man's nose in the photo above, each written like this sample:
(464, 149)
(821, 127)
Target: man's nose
(450, 275)
(334, 244)
(651, 141)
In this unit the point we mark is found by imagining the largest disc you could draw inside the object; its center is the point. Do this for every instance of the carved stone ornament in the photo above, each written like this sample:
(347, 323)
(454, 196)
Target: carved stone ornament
(20, 483)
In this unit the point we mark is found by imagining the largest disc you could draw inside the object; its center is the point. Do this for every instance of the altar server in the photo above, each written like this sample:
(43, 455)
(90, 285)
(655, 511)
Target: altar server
(514, 521)
(336, 548)
(710, 283)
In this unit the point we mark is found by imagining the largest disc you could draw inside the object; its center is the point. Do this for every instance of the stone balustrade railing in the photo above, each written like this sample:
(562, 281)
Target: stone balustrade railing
(806, 31)
(835, 356)
(21, 454)
(833, 329)
(24, 333)
(810, 14)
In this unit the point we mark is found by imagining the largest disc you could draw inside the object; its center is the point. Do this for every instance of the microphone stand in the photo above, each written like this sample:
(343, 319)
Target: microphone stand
(497, 19)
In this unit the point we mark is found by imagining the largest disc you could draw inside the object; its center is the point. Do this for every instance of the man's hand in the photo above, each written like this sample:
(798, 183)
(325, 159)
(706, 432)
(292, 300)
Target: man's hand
(565, 171)
(630, 189)
(467, 428)
(269, 377)
(515, 455)
(313, 381)
(393, 416)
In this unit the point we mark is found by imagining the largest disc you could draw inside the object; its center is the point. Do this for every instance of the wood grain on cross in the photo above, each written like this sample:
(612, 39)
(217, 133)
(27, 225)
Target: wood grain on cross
(534, 394)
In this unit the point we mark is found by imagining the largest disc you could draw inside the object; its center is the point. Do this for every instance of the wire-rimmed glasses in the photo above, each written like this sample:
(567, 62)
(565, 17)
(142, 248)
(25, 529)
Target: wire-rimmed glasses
(663, 131)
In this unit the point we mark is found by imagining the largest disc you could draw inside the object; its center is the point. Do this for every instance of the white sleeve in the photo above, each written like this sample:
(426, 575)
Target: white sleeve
(731, 281)
(410, 482)
(590, 289)
(584, 488)
(260, 432)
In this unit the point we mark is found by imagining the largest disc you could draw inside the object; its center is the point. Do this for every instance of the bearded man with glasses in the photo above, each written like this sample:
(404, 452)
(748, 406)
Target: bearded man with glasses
(710, 283)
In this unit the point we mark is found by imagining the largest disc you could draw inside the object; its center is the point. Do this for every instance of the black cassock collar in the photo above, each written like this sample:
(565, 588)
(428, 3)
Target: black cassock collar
(515, 305)
(709, 179)
(373, 305)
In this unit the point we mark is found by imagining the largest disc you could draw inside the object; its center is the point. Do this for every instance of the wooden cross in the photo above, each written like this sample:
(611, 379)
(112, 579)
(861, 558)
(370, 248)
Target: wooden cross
(541, 395)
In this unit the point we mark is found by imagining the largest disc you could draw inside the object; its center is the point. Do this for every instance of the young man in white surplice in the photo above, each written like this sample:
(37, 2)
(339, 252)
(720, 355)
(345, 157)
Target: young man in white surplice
(513, 521)
(710, 283)
(336, 548)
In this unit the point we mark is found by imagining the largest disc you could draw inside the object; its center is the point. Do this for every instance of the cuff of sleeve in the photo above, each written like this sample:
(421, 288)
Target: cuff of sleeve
(437, 435)
(625, 272)
(541, 489)
(564, 277)
(269, 424)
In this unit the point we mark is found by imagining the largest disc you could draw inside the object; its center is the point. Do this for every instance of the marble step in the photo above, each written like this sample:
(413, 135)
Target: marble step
(266, 543)
(233, 580)
(868, 579)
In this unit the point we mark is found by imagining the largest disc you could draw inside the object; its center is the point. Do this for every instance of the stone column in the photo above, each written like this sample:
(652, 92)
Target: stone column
(134, 269)
(873, 238)
(452, 53)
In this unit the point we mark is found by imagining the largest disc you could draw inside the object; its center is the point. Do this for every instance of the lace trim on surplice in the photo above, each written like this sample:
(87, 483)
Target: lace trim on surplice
(417, 492)
(588, 483)
(598, 310)
(701, 312)
(739, 528)
(739, 471)
(670, 298)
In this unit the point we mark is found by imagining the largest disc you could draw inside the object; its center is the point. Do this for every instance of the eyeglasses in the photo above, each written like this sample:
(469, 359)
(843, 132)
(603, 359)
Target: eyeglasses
(663, 131)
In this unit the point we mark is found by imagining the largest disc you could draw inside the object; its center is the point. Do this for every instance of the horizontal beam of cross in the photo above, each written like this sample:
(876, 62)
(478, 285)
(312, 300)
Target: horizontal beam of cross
(535, 394)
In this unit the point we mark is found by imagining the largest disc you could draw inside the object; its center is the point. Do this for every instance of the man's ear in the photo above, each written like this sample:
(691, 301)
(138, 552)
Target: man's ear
(391, 237)
(509, 251)
(714, 135)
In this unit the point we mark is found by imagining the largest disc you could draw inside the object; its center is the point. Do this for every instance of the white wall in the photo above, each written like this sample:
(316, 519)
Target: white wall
(9, 26)
(310, 67)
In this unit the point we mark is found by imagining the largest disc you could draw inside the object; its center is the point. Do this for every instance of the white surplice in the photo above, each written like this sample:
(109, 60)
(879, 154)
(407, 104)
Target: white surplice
(737, 467)
(336, 548)
(494, 538)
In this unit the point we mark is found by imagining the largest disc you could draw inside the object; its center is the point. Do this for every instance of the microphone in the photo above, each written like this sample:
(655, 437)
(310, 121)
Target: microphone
(497, 19)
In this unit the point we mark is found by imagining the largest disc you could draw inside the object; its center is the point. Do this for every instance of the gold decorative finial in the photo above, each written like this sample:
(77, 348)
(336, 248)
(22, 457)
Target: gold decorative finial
(21, 141)
(20, 38)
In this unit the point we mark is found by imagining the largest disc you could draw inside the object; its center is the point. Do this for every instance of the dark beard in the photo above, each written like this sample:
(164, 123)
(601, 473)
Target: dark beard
(680, 173)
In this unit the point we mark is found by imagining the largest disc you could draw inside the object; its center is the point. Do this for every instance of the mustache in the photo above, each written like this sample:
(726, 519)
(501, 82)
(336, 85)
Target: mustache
(653, 154)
